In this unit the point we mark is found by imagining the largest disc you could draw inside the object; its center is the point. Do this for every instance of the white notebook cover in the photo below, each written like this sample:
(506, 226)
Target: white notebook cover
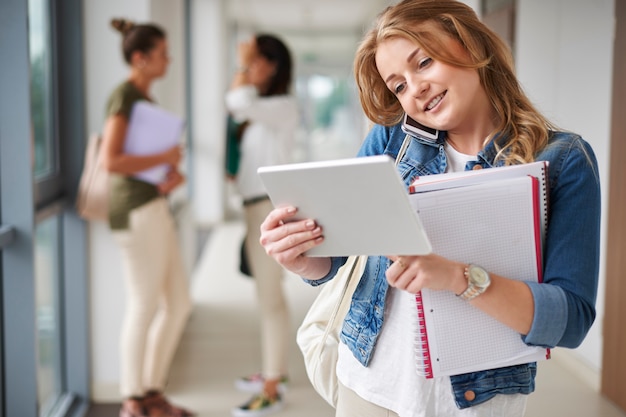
(152, 130)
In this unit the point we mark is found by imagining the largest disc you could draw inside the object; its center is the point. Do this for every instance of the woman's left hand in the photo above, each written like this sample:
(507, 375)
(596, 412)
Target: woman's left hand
(172, 180)
(414, 273)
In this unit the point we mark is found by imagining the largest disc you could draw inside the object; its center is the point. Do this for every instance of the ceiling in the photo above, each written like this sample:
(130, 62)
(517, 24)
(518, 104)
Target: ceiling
(322, 34)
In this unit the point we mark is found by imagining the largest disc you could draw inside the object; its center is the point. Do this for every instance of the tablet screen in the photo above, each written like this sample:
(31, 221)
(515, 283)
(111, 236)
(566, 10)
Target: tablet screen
(361, 204)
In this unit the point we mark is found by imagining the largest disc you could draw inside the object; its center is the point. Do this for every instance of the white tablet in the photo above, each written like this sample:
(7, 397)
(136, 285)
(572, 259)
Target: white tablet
(361, 204)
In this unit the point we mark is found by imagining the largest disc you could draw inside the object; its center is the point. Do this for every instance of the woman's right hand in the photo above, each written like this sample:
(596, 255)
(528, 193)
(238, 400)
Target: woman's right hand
(246, 51)
(173, 155)
(286, 240)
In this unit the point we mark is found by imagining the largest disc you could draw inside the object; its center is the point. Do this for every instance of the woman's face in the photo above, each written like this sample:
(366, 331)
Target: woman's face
(157, 60)
(433, 93)
(261, 71)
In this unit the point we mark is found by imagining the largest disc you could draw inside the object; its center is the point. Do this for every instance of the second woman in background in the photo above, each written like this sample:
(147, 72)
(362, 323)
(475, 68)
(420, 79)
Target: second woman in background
(259, 95)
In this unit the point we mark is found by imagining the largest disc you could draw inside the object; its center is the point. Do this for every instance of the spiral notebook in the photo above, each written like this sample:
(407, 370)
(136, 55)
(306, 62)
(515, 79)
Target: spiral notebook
(538, 169)
(474, 223)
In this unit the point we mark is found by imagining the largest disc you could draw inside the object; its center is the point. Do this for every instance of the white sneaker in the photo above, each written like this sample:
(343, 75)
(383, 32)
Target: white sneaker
(259, 406)
(254, 384)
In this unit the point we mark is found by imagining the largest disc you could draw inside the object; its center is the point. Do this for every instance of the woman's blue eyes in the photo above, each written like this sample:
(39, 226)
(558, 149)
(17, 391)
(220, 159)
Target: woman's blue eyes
(421, 64)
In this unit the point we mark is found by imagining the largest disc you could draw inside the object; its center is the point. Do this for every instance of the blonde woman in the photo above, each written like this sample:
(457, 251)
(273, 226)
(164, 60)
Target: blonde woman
(435, 61)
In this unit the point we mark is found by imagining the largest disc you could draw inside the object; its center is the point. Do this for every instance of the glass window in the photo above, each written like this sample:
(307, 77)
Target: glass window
(41, 70)
(332, 120)
(48, 325)
(48, 318)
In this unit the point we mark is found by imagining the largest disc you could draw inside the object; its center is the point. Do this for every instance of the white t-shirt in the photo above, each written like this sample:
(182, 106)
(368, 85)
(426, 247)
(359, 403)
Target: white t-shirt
(391, 380)
(456, 159)
(268, 139)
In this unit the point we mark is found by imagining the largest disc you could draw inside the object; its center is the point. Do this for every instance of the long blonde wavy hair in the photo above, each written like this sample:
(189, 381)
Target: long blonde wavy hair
(426, 23)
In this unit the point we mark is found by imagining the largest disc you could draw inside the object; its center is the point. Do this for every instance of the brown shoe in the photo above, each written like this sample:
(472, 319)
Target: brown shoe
(158, 406)
(133, 408)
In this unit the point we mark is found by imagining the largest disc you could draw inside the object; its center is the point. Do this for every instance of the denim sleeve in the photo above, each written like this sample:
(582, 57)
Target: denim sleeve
(335, 263)
(565, 301)
(376, 141)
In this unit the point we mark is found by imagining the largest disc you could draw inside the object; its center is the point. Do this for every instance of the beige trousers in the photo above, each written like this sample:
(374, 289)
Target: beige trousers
(349, 404)
(158, 300)
(274, 312)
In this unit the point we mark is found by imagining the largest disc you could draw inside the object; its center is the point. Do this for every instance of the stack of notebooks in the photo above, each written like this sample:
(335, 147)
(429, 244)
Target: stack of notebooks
(496, 218)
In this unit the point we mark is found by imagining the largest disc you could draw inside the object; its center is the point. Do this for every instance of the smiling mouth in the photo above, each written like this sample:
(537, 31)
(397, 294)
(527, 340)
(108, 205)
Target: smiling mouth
(434, 101)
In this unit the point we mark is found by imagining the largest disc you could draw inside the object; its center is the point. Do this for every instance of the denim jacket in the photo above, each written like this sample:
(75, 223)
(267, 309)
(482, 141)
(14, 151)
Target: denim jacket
(564, 302)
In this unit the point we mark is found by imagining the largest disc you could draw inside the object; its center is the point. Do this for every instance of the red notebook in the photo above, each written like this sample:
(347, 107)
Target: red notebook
(498, 224)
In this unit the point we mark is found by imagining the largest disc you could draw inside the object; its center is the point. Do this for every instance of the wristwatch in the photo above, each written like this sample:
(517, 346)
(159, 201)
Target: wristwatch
(478, 281)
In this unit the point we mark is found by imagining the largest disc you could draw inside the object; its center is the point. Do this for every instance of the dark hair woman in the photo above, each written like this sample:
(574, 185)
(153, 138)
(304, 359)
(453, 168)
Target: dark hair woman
(259, 95)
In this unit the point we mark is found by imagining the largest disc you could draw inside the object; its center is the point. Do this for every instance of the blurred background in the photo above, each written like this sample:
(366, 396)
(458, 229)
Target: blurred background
(59, 59)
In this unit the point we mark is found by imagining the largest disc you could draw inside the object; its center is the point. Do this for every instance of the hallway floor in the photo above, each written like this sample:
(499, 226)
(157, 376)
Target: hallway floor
(221, 343)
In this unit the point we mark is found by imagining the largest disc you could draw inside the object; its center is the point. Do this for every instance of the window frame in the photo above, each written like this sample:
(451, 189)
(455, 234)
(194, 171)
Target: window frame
(49, 186)
(21, 207)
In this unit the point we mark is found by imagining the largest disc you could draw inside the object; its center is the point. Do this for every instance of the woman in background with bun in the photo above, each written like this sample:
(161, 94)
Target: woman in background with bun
(157, 295)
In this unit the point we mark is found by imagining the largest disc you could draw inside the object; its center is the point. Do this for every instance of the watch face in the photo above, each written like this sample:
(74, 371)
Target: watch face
(479, 276)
